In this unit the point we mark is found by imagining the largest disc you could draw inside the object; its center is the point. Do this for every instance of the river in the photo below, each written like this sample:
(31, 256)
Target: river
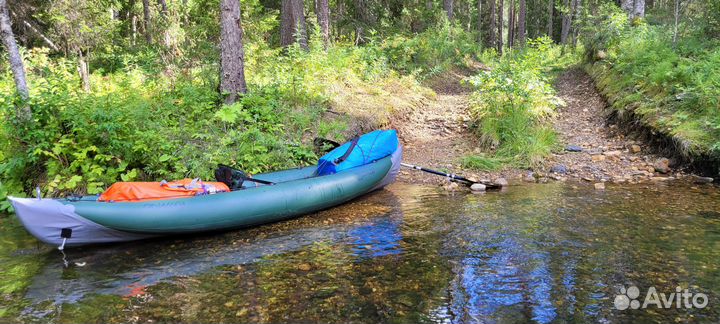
(547, 253)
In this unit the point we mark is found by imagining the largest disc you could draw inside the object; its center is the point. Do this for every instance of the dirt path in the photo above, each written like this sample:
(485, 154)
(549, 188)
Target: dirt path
(438, 136)
(606, 154)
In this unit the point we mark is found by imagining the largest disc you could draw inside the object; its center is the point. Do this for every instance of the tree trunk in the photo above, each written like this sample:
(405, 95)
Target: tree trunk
(16, 63)
(322, 11)
(628, 6)
(521, 23)
(448, 6)
(146, 21)
(298, 12)
(566, 21)
(232, 54)
(500, 27)
(163, 8)
(286, 23)
(491, 27)
(549, 27)
(292, 23)
(639, 9)
(134, 30)
(83, 71)
(677, 20)
(511, 24)
(42, 36)
(575, 27)
(167, 38)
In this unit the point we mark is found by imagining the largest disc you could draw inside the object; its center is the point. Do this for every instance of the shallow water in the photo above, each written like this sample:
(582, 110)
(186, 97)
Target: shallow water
(537, 253)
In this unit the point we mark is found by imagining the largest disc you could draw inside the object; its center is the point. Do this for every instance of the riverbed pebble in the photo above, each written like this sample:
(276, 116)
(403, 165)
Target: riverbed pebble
(559, 169)
(600, 186)
(573, 148)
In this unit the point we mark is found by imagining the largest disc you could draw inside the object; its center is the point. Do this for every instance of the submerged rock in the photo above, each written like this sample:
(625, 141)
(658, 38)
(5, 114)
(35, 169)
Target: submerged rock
(600, 186)
(702, 180)
(451, 186)
(502, 182)
(478, 187)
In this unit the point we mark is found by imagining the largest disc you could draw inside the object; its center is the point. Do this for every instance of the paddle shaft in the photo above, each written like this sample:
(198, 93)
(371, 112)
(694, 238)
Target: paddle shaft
(451, 176)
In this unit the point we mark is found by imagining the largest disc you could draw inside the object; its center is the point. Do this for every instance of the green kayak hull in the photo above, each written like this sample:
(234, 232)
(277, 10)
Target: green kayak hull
(295, 192)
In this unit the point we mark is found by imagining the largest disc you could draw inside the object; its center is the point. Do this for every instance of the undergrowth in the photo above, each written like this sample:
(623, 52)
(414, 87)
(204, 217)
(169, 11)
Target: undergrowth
(512, 104)
(673, 90)
(147, 119)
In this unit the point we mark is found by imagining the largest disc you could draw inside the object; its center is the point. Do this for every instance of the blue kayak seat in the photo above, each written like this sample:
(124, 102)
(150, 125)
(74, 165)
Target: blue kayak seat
(360, 151)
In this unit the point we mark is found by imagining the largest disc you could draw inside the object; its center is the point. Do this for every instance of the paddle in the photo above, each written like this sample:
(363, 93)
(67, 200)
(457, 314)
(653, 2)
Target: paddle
(234, 178)
(451, 176)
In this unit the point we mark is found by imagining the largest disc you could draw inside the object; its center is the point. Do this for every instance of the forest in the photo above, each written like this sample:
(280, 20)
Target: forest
(97, 91)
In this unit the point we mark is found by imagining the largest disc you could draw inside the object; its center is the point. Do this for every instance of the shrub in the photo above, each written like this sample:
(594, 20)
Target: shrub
(512, 103)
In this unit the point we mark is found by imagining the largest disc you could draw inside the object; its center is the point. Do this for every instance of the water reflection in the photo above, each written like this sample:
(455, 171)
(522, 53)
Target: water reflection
(544, 254)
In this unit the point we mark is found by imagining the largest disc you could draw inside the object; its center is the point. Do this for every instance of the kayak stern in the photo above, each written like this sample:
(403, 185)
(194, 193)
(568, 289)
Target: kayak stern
(47, 218)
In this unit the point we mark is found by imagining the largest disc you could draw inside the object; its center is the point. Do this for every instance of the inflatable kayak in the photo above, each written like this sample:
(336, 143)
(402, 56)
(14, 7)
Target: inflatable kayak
(367, 163)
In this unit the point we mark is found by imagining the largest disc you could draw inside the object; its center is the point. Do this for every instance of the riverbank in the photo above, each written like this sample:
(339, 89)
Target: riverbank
(592, 148)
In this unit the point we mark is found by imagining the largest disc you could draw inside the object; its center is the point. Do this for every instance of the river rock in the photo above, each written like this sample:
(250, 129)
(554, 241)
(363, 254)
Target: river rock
(573, 148)
(478, 187)
(635, 148)
(612, 153)
(600, 186)
(502, 182)
(598, 158)
(451, 186)
(702, 180)
(662, 165)
(559, 169)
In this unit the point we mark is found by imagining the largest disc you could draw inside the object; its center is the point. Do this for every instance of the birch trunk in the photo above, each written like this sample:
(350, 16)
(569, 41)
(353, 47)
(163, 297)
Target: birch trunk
(16, 64)
(84, 71)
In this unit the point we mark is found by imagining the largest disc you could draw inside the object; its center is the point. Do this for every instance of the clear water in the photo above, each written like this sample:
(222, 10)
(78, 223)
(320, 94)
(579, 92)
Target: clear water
(551, 253)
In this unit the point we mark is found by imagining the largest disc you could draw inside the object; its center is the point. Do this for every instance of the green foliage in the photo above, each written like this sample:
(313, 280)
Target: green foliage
(142, 121)
(512, 103)
(673, 90)
(431, 51)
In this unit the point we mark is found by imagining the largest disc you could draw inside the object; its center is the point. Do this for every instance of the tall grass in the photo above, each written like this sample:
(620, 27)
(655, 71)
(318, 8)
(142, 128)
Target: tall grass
(673, 90)
(512, 104)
